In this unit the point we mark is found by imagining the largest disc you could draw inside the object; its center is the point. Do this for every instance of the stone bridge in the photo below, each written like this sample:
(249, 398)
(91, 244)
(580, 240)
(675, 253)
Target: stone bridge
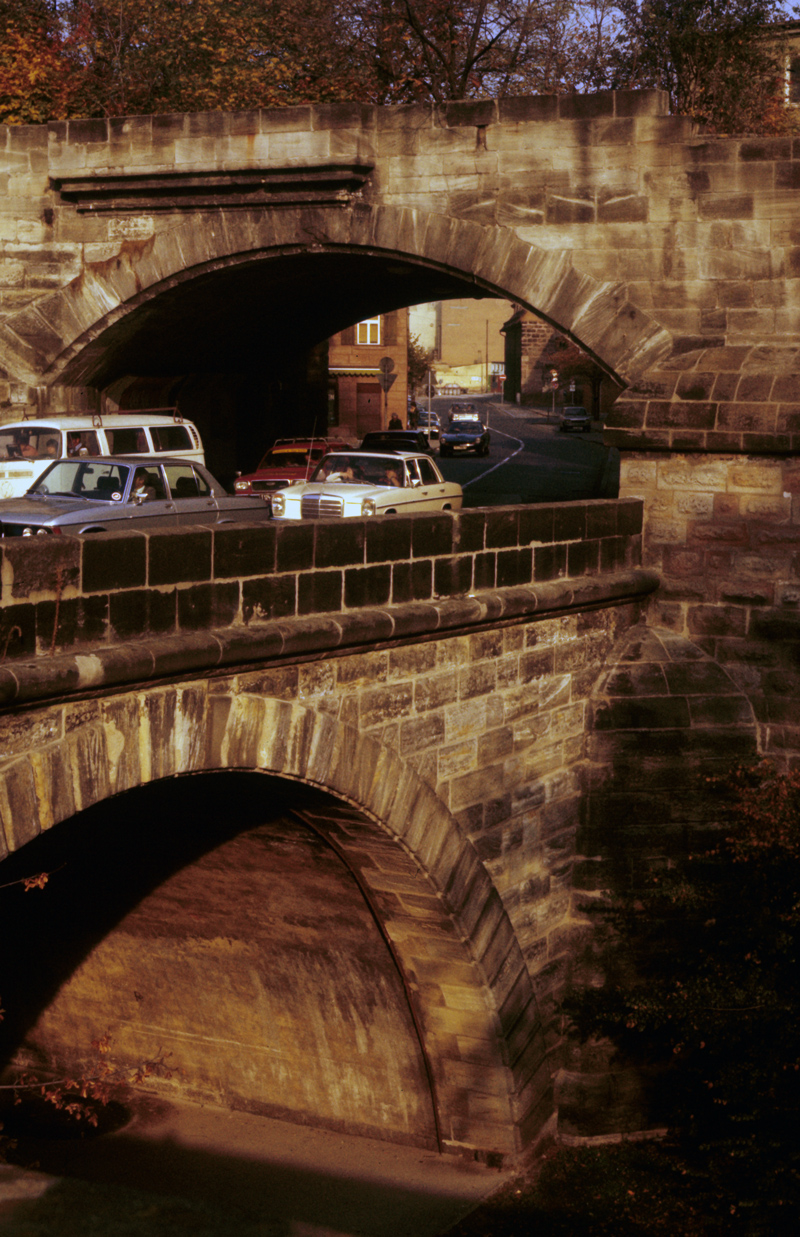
(188, 256)
(322, 805)
(416, 747)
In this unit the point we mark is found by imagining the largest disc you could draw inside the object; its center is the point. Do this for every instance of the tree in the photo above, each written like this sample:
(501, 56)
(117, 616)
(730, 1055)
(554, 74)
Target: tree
(200, 55)
(114, 57)
(440, 50)
(37, 81)
(713, 56)
(701, 976)
(419, 362)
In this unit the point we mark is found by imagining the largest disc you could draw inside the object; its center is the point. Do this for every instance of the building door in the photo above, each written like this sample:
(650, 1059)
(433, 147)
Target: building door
(368, 407)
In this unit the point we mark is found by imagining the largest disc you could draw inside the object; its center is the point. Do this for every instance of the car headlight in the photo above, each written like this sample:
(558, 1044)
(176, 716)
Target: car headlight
(278, 504)
(241, 486)
(39, 532)
(368, 506)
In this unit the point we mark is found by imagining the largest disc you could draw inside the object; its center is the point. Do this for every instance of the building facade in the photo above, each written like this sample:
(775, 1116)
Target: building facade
(537, 357)
(356, 400)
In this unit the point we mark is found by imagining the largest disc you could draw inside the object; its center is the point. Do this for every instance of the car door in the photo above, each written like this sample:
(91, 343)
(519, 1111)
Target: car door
(149, 500)
(191, 495)
(429, 491)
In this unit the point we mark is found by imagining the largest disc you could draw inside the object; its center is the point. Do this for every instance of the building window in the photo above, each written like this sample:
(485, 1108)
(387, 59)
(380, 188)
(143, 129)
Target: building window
(794, 80)
(369, 332)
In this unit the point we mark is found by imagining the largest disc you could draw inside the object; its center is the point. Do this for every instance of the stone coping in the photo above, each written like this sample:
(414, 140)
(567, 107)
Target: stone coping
(90, 668)
(76, 592)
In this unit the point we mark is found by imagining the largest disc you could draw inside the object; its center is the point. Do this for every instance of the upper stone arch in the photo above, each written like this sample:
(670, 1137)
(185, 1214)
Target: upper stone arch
(665, 717)
(430, 881)
(60, 337)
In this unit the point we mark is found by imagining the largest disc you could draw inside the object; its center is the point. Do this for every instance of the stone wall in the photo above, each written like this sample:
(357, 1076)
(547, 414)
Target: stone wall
(456, 723)
(113, 587)
(722, 531)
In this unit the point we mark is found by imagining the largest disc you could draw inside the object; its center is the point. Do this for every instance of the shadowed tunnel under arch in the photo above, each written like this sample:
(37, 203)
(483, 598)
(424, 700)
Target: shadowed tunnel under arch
(200, 921)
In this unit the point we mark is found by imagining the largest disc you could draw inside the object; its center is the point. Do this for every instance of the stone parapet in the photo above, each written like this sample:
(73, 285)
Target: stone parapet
(65, 592)
(294, 639)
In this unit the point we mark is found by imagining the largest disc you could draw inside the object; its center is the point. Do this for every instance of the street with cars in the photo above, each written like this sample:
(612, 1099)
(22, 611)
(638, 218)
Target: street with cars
(485, 453)
(530, 460)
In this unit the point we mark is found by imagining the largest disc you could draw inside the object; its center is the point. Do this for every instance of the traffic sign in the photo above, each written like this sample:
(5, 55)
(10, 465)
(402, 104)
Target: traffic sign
(386, 380)
(386, 365)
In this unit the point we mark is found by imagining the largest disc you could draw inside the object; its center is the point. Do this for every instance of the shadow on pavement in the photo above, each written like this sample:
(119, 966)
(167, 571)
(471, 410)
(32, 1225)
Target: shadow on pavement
(212, 1173)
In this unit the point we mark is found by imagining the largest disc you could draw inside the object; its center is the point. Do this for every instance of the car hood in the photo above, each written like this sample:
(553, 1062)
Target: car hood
(358, 489)
(467, 435)
(39, 510)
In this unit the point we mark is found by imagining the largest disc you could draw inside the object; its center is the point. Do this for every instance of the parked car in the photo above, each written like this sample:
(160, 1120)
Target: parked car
(362, 483)
(395, 440)
(464, 434)
(288, 460)
(429, 424)
(27, 447)
(575, 418)
(98, 494)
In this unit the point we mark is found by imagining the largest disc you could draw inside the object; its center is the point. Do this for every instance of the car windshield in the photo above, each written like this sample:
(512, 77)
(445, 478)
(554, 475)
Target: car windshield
(360, 470)
(104, 481)
(32, 444)
(285, 459)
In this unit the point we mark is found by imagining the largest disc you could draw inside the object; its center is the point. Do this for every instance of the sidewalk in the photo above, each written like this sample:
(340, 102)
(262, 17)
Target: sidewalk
(208, 1172)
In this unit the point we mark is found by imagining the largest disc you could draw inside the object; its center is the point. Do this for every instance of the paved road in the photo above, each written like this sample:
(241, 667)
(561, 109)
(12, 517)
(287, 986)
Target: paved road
(205, 1172)
(530, 461)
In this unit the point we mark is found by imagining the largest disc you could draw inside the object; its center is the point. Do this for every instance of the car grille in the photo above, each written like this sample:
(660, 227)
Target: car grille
(318, 506)
(261, 486)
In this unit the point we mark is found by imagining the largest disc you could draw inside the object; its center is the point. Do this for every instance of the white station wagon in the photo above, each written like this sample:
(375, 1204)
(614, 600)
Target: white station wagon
(359, 483)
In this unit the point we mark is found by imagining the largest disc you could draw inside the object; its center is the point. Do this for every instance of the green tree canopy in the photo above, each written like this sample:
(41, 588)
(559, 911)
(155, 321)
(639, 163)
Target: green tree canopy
(714, 57)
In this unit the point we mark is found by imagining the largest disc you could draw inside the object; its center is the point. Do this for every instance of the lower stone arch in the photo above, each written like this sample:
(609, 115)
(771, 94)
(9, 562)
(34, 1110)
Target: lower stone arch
(444, 917)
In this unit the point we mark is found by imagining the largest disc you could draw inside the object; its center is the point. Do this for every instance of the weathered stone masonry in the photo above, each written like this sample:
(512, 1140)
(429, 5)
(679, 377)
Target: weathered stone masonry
(455, 721)
(671, 256)
(487, 672)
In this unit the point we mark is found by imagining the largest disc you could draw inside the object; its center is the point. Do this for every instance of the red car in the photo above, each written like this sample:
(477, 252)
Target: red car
(288, 462)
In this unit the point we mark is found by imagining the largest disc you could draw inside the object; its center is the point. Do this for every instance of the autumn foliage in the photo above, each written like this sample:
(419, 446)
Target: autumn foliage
(71, 58)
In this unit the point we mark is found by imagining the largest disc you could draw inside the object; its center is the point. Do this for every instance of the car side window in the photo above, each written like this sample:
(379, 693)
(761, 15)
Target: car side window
(413, 471)
(184, 482)
(148, 484)
(82, 442)
(127, 441)
(170, 438)
(427, 473)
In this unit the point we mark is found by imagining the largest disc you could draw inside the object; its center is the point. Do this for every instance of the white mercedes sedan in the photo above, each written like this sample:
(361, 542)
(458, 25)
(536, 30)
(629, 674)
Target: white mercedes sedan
(360, 483)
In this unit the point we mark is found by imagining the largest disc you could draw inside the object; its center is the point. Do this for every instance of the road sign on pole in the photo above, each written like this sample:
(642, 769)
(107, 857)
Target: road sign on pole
(386, 365)
(553, 384)
(386, 380)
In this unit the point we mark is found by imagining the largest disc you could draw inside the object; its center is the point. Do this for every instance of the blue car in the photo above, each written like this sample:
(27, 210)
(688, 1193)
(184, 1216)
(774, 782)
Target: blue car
(464, 434)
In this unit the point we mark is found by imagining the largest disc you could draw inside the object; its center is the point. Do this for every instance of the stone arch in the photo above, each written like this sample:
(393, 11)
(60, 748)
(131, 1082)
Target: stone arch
(664, 715)
(456, 946)
(48, 340)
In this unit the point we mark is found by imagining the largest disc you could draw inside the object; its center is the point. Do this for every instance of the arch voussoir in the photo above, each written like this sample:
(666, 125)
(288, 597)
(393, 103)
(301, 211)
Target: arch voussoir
(48, 339)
